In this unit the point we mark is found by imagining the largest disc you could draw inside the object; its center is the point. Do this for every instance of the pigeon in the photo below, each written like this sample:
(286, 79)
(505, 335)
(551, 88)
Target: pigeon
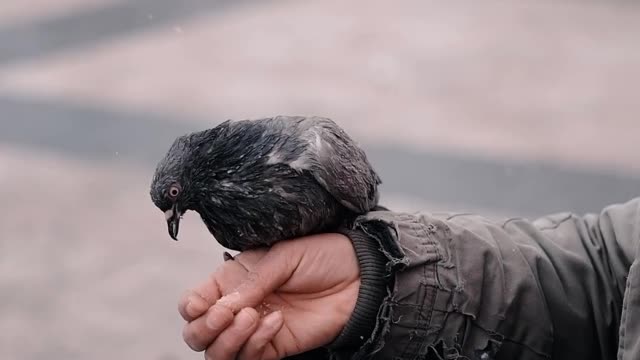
(255, 182)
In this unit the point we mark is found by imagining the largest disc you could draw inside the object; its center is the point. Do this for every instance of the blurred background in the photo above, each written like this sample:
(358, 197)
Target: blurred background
(502, 108)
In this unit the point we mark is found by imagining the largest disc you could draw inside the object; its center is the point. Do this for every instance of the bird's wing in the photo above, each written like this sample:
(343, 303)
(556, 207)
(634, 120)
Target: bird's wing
(337, 163)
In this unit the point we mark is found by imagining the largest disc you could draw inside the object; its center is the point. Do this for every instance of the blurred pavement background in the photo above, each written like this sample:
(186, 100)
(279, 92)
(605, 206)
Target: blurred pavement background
(503, 108)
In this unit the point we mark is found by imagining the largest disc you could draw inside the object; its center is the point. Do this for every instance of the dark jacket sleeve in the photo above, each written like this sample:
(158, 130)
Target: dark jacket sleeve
(462, 286)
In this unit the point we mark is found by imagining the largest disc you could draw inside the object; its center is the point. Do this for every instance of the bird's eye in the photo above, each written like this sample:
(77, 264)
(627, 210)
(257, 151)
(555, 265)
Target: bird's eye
(174, 191)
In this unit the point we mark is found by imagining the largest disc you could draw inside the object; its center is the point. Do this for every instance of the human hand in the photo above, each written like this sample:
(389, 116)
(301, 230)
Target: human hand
(272, 303)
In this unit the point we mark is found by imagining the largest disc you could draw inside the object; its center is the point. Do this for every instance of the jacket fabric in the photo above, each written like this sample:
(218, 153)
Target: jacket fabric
(460, 286)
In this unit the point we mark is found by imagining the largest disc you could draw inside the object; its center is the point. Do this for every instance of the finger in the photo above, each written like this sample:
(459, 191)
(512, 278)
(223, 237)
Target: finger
(197, 301)
(192, 305)
(273, 270)
(201, 332)
(228, 344)
(258, 346)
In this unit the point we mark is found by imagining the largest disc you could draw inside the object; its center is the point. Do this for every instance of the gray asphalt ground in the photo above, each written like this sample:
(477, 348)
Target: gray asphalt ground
(505, 108)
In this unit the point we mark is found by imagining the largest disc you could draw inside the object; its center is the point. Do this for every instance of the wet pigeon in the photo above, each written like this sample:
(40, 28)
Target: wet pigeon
(256, 182)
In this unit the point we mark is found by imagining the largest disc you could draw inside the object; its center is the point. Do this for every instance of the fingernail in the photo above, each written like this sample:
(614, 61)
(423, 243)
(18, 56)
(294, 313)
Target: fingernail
(274, 320)
(244, 319)
(217, 317)
(196, 306)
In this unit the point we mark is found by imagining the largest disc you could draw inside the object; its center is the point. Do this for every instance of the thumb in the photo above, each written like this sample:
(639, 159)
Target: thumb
(264, 277)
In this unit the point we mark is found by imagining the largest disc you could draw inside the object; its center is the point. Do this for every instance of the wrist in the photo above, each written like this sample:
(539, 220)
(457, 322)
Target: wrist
(372, 291)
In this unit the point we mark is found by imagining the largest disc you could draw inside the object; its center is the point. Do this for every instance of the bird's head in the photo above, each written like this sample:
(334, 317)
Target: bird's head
(171, 187)
(188, 176)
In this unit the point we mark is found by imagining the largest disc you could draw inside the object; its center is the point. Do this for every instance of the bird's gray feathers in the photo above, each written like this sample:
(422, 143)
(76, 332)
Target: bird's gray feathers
(332, 157)
(256, 182)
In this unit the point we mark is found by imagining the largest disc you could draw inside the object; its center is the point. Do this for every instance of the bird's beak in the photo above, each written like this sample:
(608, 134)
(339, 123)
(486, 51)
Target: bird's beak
(173, 221)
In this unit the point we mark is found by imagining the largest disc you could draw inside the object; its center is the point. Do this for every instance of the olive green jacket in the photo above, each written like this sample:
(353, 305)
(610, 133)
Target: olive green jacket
(460, 286)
